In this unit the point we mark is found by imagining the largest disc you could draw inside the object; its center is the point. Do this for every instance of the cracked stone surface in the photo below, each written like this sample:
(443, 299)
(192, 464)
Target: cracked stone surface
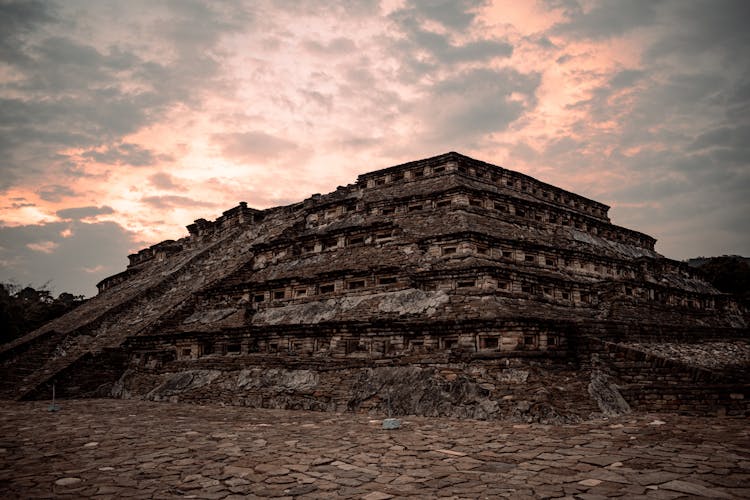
(165, 450)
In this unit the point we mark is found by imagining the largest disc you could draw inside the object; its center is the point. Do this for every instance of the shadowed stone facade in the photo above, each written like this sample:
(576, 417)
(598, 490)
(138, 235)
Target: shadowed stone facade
(445, 286)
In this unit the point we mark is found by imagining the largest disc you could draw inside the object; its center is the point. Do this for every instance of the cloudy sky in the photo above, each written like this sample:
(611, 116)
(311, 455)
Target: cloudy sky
(121, 122)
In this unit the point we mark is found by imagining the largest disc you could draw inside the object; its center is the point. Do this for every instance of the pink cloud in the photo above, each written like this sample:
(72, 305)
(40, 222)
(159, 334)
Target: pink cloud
(43, 246)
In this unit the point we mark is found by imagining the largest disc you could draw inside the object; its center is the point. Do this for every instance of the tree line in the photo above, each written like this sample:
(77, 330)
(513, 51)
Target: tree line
(728, 273)
(24, 309)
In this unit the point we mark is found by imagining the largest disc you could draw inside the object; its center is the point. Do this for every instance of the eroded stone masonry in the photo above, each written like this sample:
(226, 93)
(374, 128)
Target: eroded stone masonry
(445, 286)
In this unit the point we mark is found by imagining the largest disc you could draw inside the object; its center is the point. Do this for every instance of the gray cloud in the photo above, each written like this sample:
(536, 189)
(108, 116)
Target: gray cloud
(78, 213)
(37, 254)
(468, 105)
(453, 14)
(687, 28)
(625, 78)
(691, 202)
(423, 51)
(193, 25)
(67, 92)
(440, 46)
(704, 26)
(340, 45)
(570, 8)
(559, 147)
(22, 205)
(724, 137)
(335, 8)
(17, 18)
(253, 146)
(126, 154)
(608, 18)
(653, 108)
(55, 192)
(162, 180)
(681, 120)
(325, 101)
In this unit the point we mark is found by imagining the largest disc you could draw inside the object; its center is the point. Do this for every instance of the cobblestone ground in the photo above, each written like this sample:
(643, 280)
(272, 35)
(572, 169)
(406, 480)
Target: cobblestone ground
(115, 448)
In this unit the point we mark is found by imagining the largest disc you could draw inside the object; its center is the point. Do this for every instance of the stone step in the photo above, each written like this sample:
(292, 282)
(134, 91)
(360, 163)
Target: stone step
(131, 308)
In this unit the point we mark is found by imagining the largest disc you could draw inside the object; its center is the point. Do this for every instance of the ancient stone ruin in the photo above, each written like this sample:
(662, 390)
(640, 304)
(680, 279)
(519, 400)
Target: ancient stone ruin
(445, 286)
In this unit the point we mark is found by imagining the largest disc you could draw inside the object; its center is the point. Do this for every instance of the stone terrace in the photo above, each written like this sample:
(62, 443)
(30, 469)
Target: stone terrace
(112, 448)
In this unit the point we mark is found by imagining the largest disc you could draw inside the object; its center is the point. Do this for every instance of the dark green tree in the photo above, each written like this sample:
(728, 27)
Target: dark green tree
(25, 309)
(729, 274)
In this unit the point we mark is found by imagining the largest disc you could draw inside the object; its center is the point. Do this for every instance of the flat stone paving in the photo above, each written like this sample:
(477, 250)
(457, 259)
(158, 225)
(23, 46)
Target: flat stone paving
(119, 449)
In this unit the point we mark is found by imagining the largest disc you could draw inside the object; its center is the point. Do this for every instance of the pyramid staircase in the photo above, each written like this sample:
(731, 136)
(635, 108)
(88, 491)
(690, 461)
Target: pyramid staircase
(125, 310)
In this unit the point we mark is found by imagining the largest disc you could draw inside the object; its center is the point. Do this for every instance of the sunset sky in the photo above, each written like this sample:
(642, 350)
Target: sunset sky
(122, 122)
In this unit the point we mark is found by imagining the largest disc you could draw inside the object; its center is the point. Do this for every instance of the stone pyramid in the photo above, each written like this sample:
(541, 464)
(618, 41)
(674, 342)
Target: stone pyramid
(439, 286)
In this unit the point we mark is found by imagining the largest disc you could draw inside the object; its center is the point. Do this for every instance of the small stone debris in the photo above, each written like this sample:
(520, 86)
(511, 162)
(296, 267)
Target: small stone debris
(68, 481)
(452, 452)
(590, 482)
(391, 424)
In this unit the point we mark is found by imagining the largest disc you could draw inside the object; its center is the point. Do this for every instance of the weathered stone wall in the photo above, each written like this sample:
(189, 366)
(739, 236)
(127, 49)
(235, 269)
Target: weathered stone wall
(524, 385)
(521, 388)
(690, 399)
(654, 383)
(92, 375)
(383, 340)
